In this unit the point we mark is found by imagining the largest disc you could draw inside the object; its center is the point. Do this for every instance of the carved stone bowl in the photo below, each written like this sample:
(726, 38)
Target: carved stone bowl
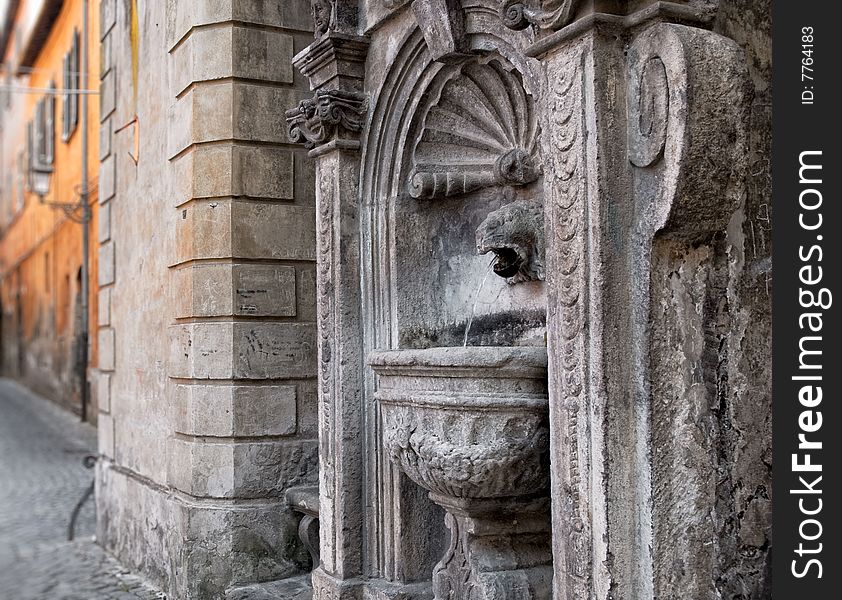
(467, 422)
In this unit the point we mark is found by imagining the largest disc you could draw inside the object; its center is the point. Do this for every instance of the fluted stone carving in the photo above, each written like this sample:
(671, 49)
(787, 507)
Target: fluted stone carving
(481, 131)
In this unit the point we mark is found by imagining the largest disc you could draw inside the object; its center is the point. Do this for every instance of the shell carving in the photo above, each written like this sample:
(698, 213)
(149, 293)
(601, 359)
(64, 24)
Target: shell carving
(481, 131)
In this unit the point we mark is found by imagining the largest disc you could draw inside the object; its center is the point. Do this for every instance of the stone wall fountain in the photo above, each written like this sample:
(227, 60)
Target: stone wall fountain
(448, 131)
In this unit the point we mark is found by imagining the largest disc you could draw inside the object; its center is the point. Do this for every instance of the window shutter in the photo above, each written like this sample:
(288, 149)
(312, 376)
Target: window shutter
(39, 141)
(65, 98)
(50, 126)
(74, 77)
(26, 159)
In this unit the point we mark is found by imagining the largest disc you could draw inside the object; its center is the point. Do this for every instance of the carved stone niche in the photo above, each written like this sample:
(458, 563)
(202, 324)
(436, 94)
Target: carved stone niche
(473, 188)
(463, 396)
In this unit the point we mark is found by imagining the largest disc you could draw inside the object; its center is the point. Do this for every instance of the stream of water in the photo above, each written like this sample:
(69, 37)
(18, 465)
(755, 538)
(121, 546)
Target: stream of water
(474, 307)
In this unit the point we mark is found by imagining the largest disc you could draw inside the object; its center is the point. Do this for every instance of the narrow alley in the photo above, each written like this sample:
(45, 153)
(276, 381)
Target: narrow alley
(43, 477)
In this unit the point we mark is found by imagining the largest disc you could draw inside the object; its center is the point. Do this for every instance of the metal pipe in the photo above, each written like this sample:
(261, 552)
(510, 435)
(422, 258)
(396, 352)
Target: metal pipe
(86, 218)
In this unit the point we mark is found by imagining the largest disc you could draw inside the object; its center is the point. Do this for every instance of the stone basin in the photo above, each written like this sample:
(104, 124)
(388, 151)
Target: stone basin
(467, 422)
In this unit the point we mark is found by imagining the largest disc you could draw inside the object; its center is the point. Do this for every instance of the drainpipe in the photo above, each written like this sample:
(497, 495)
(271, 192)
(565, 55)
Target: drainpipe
(86, 218)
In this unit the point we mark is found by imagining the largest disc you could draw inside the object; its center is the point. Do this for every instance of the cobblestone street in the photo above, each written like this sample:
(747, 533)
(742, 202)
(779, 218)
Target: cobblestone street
(42, 476)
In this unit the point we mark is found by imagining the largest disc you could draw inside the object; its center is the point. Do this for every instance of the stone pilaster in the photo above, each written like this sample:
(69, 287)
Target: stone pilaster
(630, 126)
(329, 124)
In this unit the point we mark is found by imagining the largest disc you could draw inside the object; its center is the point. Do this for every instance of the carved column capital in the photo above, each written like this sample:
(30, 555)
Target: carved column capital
(329, 116)
(335, 65)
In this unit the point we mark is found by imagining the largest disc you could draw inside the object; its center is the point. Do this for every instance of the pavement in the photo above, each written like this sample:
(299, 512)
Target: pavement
(42, 477)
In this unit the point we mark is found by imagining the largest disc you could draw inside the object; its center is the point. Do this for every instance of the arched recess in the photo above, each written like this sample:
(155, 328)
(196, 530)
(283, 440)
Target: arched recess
(399, 517)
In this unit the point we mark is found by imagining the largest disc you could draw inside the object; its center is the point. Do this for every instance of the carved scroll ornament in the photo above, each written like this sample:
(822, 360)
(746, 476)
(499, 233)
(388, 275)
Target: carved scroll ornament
(481, 131)
(328, 115)
(544, 14)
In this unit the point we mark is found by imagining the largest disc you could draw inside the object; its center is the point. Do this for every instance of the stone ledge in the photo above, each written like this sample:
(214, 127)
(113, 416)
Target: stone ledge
(235, 410)
(237, 169)
(240, 229)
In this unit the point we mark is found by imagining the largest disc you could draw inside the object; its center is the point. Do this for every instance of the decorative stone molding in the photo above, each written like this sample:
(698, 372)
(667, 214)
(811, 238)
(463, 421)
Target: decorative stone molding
(480, 131)
(544, 14)
(569, 273)
(328, 115)
(515, 234)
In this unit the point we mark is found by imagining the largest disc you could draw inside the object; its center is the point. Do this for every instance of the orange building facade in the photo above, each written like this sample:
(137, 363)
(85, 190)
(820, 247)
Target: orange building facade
(42, 332)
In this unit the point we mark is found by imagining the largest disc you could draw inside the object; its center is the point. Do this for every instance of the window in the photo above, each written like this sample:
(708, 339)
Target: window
(43, 142)
(70, 86)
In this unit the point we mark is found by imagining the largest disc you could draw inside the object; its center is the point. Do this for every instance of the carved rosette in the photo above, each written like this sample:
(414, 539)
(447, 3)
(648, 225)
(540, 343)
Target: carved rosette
(481, 130)
(543, 14)
(329, 115)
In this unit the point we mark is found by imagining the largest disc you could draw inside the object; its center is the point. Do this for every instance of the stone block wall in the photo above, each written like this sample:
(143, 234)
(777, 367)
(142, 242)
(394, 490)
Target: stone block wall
(212, 308)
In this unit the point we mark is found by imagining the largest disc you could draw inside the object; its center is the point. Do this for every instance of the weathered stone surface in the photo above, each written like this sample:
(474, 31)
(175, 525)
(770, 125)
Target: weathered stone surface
(104, 307)
(228, 228)
(105, 348)
(470, 425)
(256, 290)
(250, 469)
(654, 306)
(258, 172)
(297, 588)
(104, 223)
(107, 179)
(232, 51)
(242, 350)
(214, 222)
(221, 547)
(105, 139)
(107, 96)
(235, 411)
(291, 14)
(103, 391)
